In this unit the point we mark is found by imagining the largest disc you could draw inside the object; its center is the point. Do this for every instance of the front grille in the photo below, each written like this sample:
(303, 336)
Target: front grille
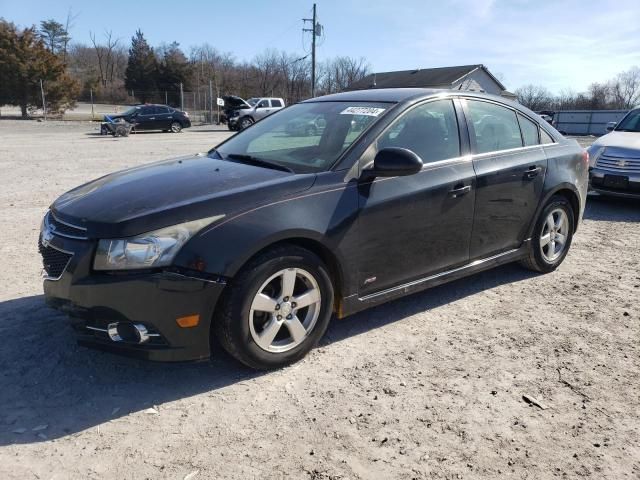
(63, 229)
(619, 163)
(54, 261)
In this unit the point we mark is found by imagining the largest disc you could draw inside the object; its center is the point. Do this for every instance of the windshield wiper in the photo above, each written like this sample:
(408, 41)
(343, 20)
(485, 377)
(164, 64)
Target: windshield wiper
(251, 160)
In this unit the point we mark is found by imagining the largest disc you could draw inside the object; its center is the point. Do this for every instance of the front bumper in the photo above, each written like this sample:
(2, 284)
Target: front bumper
(600, 181)
(154, 299)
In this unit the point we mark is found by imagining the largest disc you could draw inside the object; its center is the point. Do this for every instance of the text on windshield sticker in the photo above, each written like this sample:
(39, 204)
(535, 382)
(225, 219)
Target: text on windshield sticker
(369, 111)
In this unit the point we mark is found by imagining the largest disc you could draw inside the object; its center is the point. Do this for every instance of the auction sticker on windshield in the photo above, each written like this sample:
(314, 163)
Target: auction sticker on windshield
(369, 111)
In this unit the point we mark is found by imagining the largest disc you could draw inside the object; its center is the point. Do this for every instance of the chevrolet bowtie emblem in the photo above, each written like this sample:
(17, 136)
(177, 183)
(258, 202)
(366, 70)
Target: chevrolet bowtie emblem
(622, 163)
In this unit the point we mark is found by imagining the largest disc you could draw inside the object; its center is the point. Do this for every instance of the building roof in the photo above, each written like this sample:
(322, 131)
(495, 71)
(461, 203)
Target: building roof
(425, 77)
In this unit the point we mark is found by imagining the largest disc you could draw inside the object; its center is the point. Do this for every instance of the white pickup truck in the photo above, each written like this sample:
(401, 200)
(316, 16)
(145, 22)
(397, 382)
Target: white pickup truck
(241, 114)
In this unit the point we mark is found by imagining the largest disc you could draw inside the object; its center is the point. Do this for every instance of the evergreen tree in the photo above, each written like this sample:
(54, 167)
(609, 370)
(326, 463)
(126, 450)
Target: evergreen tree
(24, 62)
(142, 68)
(174, 68)
(54, 35)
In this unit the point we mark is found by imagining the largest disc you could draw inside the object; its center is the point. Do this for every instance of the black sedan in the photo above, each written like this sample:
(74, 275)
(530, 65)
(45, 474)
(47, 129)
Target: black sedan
(153, 117)
(259, 242)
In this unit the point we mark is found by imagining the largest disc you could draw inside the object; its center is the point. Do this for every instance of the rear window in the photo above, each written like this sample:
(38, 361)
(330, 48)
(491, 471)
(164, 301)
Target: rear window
(496, 128)
(545, 138)
(529, 131)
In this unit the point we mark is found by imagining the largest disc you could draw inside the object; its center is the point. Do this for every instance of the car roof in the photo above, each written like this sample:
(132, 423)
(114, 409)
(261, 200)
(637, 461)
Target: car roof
(399, 95)
(378, 95)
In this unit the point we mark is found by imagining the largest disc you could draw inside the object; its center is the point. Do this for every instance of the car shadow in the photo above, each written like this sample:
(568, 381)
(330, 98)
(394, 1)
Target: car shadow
(50, 387)
(612, 209)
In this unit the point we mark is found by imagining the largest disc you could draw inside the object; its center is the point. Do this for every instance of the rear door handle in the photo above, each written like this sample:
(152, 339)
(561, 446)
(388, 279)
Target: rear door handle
(460, 190)
(532, 172)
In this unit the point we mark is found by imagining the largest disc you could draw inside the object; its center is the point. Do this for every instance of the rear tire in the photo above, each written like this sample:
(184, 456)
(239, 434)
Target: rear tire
(176, 127)
(552, 236)
(258, 321)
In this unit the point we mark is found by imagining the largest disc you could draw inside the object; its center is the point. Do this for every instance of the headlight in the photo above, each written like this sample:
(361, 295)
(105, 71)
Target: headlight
(153, 249)
(594, 153)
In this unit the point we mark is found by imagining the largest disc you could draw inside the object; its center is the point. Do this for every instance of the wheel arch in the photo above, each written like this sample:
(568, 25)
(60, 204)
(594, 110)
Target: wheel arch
(566, 190)
(315, 246)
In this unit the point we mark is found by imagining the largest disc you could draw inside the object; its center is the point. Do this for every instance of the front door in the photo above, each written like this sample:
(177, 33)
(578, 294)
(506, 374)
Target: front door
(145, 120)
(418, 225)
(510, 167)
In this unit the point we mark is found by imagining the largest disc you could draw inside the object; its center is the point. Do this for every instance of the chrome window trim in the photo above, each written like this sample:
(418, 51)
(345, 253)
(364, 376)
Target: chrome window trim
(517, 112)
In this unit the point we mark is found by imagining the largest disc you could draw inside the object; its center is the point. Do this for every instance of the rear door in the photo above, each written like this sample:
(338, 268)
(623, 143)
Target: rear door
(510, 167)
(164, 117)
(417, 225)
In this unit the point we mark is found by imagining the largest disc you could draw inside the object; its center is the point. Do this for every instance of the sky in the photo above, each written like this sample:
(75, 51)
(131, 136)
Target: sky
(557, 44)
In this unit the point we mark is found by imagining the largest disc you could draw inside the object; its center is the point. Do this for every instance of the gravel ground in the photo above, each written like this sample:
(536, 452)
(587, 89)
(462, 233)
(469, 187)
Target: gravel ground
(430, 386)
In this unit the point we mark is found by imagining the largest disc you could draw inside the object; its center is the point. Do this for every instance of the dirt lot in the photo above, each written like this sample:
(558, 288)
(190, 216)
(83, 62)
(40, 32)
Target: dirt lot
(430, 386)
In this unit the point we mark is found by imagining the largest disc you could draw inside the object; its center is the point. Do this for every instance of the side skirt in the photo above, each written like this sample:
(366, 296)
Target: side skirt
(354, 303)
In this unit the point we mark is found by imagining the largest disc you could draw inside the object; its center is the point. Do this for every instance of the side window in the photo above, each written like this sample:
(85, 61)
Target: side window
(429, 130)
(276, 103)
(545, 138)
(162, 110)
(495, 127)
(146, 111)
(263, 104)
(529, 131)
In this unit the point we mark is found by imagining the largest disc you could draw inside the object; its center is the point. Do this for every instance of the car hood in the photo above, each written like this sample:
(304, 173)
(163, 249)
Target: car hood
(173, 191)
(231, 101)
(629, 140)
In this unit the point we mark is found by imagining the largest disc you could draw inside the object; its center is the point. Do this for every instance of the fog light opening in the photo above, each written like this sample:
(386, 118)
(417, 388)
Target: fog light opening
(128, 332)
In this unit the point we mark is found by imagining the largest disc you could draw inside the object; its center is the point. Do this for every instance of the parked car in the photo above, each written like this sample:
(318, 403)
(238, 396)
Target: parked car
(306, 126)
(152, 117)
(243, 114)
(259, 242)
(615, 158)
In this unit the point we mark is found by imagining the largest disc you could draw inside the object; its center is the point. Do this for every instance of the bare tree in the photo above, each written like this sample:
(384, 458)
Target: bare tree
(625, 89)
(534, 97)
(338, 73)
(105, 54)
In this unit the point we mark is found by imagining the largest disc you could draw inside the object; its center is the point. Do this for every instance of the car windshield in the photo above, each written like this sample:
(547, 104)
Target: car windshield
(304, 138)
(630, 123)
(252, 101)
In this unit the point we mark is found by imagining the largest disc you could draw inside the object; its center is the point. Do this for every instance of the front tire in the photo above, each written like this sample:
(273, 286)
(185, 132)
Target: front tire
(552, 236)
(276, 309)
(245, 122)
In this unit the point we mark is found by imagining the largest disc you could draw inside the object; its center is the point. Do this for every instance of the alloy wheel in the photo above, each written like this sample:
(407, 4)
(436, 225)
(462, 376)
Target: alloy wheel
(285, 310)
(554, 235)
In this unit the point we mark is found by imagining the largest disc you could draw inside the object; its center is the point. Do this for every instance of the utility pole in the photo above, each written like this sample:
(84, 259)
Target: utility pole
(316, 31)
(92, 109)
(210, 101)
(181, 97)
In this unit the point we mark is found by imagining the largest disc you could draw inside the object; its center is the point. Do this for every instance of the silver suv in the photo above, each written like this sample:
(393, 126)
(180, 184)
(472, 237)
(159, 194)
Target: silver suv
(244, 113)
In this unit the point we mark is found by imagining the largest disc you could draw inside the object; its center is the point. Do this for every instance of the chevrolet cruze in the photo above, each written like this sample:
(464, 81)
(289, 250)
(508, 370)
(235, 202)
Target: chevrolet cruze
(260, 241)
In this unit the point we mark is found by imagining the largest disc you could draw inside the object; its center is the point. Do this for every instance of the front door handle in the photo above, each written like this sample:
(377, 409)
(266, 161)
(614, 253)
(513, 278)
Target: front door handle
(460, 190)
(532, 172)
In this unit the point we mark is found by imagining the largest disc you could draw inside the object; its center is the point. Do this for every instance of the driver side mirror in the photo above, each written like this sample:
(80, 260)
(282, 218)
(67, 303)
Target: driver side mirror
(394, 162)
(611, 126)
